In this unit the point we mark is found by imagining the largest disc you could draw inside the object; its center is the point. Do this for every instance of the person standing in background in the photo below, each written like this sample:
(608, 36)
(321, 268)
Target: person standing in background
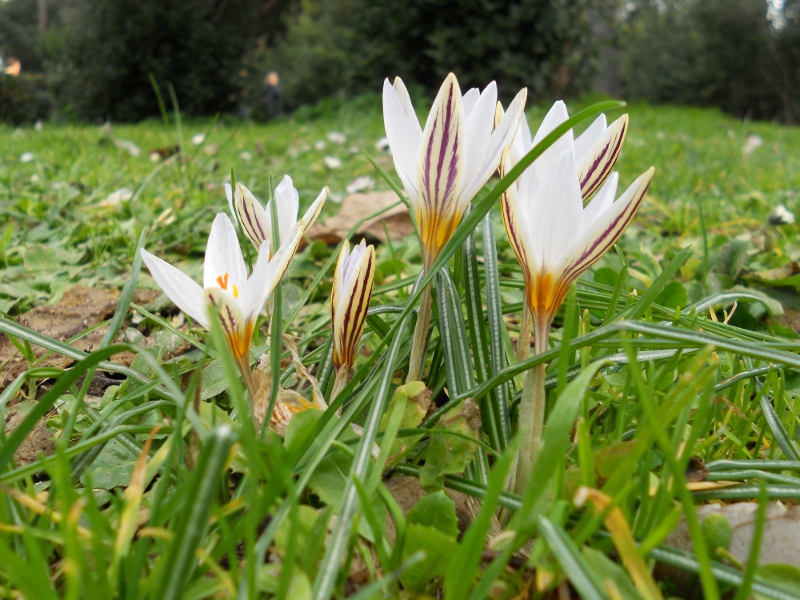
(271, 97)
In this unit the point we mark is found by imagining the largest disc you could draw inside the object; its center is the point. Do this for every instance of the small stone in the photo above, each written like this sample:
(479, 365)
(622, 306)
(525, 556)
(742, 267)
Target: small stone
(246, 156)
(360, 184)
(335, 137)
(382, 144)
(319, 146)
(332, 162)
(26, 157)
(781, 216)
(116, 197)
(753, 143)
(198, 138)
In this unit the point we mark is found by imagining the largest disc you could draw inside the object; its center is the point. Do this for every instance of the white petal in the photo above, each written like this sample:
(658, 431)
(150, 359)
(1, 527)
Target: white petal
(257, 289)
(316, 207)
(605, 230)
(590, 137)
(555, 216)
(518, 230)
(185, 293)
(288, 199)
(598, 161)
(469, 99)
(338, 292)
(499, 141)
(404, 134)
(522, 141)
(223, 256)
(555, 117)
(233, 322)
(283, 257)
(354, 261)
(405, 101)
(601, 202)
(479, 123)
(440, 174)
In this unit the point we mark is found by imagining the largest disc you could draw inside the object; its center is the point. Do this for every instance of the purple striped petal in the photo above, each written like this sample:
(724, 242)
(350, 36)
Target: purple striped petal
(252, 216)
(350, 298)
(606, 230)
(596, 165)
(441, 162)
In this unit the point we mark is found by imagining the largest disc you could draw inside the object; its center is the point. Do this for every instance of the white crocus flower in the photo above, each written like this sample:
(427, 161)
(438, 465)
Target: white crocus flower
(227, 290)
(445, 164)
(256, 220)
(556, 238)
(350, 297)
(553, 235)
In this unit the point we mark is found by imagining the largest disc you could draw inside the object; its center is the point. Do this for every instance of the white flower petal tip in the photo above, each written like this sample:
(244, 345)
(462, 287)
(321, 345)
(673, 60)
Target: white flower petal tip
(445, 164)
(313, 212)
(350, 298)
(179, 287)
(256, 220)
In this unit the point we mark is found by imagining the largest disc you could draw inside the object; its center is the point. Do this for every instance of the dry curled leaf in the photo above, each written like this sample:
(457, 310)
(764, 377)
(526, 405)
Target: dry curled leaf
(357, 206)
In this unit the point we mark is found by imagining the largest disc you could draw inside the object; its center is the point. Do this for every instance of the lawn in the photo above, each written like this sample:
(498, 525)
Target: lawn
(672, 379)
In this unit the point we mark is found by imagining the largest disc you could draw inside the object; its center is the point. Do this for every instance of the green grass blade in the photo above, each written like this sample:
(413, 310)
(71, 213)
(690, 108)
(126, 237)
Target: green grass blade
(468, 556)
(575, 567)
(497, 332)
(778, 430)
(178, 562)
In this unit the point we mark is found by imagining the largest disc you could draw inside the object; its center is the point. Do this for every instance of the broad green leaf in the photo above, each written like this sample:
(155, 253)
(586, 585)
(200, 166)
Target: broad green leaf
(447, 453)
(439, 549)
(435, 510)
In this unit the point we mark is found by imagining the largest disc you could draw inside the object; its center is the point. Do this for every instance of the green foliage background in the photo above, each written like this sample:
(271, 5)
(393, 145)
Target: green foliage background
(725, 53)
(351, 45)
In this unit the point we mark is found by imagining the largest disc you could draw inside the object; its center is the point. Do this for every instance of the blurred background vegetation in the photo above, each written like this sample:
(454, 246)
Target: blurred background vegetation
(94, 60)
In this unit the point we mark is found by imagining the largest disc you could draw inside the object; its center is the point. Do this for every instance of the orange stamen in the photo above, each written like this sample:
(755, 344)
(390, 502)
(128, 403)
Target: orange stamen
(222, 280)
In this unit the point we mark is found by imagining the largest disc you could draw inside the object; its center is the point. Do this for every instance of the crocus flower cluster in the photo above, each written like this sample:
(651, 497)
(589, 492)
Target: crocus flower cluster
(227, 291)
(555, 234)
(560, 215)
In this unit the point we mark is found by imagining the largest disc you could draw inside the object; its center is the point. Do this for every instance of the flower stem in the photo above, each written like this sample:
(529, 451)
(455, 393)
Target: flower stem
(531, 409)
(524, 339)
(339, 383)
(416, 363)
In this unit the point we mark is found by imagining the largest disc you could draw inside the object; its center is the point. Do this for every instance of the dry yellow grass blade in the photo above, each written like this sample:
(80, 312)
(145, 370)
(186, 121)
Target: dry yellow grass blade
(128, 521)
(623, 540)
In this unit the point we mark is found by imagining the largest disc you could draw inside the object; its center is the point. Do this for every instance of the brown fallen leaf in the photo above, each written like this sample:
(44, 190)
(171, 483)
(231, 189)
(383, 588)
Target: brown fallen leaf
(356, 207)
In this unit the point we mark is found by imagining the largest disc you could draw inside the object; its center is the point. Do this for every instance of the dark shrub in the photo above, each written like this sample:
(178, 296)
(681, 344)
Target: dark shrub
(350, 46)
(24, 99)
(725, 53)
